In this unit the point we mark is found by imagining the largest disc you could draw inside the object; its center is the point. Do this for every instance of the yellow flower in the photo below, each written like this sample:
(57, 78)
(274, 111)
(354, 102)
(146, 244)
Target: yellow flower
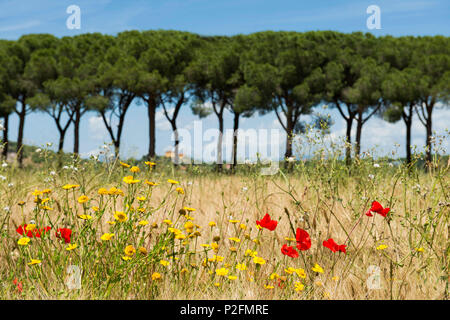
(107, 236)
(335, 278)
(420, 249)
(180, 236)
(212, 224)
(232, 277)
(30, 227)
(23, 241)
(217, 284)
(34, 261)
(274, 276)
(150, 164)
(242, 226)
(173, 181)
(120, 216)
(130, 180)
(259, 260)
(150, 183)
(70, 186)
(135, 169)
(301, 273)
(180, 190)
(189, 226)
(164, 263)
(83, 199)
(143, 222)
(222, 271)
(189, 209)
(36, 193)
(141, 198)
(126, 258)
(215, 246)
(289, 239)
(174, 230)
(156, 276)
(268, 287)
(111, 222)
(85, 217)
(95, 209)
(168, 222)
(289, 270)
(382, 247)
(216, 258)
(47, 208)
(129, 250)
(71, 247)
(317, 268)
(250, 253)
(102, 191)
(47, 191)
(234, 221)
(299, 286)
(125, 165)
(235, 239)
(115, 192)
(143, 250)
(21, 203)
(205, 245)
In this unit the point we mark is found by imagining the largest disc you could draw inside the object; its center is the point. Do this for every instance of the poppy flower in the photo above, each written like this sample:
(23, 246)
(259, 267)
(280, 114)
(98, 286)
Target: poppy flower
(18, 284)
(64, 233)
(333, 246)
(378, 208)
(303, 239)
(289, 251)
(267, 223)
(32, 233)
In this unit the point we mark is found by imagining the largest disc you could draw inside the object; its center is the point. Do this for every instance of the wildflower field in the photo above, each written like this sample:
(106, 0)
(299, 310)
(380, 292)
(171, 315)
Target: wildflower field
(147, 230)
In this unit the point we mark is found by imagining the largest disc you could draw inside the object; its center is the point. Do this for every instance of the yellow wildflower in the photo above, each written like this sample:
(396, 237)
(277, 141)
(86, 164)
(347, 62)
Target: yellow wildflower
(317, 268)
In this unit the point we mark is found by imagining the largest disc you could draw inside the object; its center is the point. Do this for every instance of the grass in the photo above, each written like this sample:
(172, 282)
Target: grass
(164, 250)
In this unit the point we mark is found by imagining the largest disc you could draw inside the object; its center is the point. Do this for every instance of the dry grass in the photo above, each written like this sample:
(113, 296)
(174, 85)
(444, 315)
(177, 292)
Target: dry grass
(323, 199)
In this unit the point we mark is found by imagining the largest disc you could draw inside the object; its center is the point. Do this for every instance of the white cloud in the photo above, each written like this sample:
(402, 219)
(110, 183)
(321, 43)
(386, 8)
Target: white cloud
(97, 128)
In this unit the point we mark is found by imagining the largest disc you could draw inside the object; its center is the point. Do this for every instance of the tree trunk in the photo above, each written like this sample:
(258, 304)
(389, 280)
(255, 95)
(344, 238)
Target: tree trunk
(289, 139)
(151, 109)
(76, 123)
(359, 125)
(177, 141)
(235, 140)
(348, 140)
(429, 130)
(407, 118)
(19, 149)
(219, 144)
(5, 137)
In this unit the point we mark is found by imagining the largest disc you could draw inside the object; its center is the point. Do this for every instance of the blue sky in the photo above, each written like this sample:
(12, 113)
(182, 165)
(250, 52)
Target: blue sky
(214, 17)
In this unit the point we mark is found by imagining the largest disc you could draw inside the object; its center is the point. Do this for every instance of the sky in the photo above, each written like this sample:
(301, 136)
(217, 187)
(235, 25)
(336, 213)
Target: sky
(217, 17)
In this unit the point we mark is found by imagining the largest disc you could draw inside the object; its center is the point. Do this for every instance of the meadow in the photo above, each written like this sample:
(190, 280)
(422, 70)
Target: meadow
(114, 229)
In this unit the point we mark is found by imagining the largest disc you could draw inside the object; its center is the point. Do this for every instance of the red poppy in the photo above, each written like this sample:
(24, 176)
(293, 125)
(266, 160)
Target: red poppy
(333, 246)
(32, 233)
(378, 208)
(18, 284)
(303, 239)
(64, 233)
(289, 251)
(267, 223)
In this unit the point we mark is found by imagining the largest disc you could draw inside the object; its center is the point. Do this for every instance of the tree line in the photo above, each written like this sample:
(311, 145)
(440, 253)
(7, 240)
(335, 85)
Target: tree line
(288, 73)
